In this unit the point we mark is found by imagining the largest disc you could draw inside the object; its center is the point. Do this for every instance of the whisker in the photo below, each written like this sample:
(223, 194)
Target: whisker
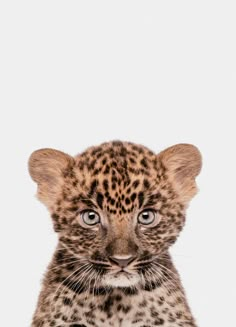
(170, 280)
(70, 275)
(78, 284)
(57, 267)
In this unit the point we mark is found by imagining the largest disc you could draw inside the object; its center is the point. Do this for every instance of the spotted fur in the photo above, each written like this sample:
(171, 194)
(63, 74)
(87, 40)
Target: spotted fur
(117, 180)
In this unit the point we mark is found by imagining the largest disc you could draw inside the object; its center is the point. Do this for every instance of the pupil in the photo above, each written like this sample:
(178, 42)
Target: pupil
(145, 215)
(91, 215)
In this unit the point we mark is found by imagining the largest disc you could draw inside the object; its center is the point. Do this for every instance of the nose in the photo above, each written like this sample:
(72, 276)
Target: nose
(122, 261)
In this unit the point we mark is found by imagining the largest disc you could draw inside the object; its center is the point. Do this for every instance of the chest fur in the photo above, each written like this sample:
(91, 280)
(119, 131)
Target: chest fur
(155, 308)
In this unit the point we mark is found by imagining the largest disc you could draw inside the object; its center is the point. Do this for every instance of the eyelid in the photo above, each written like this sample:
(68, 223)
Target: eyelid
(88, 204)
(148, 209)
(81, 210)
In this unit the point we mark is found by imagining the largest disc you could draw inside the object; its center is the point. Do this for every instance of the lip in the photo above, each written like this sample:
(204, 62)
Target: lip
(121, 272)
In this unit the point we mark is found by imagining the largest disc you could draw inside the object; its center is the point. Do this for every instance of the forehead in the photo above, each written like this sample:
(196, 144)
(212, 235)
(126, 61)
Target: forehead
(117, 174)
(117, 162)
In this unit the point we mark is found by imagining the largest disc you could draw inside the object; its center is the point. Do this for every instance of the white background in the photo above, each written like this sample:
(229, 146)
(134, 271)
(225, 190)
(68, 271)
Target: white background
(77, 73)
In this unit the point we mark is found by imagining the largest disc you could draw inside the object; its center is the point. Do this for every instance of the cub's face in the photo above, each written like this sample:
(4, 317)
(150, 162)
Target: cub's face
(117, 207)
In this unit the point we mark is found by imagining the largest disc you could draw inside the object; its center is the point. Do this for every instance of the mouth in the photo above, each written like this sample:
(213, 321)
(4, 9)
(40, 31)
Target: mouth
(120, 279)
(114, 276)
(121, 272)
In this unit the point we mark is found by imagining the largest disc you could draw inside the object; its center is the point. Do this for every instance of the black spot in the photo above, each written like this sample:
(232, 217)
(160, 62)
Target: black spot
(97, 256)
(100, 199)
(124, 308)
(92, 164)
(55, 216)
(112, 202)
(106, 170)
(146, 184)
(129, 291)
(70, 266)
(64, 318)
(150, 286)
(127, 201)
(119, 307)
(140, 199)
(123, 152)
(137, 148)
(154, 313)
(108, 304)
(152, 199)
(143, 162)
(123, 209)
(159, 321)
(99, 155)
(58, 279)
(105, 184)
(59, 257)
(93, 187)
(95, 150)
(113, 164)
(75, 287)
(88, 202)
(133, 197)
(97, 171)
(118, 297)
(135, 183)
(67, 301)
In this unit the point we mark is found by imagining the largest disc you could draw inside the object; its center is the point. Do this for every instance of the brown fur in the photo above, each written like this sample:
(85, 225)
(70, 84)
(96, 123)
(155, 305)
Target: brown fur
(117, 180)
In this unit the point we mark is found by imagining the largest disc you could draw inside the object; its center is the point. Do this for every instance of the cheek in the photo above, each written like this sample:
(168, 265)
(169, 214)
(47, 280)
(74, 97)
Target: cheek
(151, 240)
(160, 237)
(92, 240)
(78, 238)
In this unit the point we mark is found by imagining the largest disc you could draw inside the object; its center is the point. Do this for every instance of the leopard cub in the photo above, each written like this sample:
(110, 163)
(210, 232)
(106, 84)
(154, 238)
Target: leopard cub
(117, 208)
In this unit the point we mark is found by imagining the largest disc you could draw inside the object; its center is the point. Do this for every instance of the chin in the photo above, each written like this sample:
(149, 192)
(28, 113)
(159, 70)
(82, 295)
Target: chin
(121, 279)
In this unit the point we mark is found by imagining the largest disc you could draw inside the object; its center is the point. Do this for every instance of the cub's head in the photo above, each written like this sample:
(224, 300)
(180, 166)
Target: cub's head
(117, 207)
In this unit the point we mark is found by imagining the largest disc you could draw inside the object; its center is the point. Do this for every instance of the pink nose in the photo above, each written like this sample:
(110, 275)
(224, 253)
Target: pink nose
(122, 262)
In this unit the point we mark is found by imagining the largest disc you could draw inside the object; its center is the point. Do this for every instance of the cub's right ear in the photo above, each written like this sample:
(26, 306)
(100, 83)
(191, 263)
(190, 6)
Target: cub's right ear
(46, 167)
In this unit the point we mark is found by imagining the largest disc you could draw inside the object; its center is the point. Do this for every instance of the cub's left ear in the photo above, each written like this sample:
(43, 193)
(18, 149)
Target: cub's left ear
(46, 167)
(183, 163)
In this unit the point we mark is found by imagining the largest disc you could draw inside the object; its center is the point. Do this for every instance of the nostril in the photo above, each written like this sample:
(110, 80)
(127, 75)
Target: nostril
(122, 261)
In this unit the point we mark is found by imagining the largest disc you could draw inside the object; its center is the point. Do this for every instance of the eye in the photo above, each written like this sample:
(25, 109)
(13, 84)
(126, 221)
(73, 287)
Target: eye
(147, 217)
(90, 217)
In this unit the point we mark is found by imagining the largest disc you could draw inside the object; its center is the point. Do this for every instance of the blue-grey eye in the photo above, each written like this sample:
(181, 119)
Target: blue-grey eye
(147, 217)
(90, 217)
